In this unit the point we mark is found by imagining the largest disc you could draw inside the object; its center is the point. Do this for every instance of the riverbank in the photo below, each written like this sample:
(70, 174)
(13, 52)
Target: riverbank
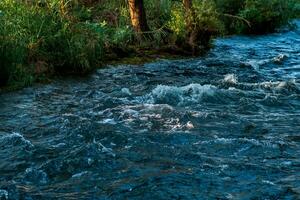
(222, 126)
(142, 57)
(42, 40)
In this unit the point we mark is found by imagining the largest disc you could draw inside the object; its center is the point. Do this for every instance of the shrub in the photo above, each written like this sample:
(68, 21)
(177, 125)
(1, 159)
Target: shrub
(159, 12)
(206, 21)
(74, 48)
(266, 15)
(177, 22)
(34, 36)
(227, 9)
(296, 8)
(207, 17)
(13, 44)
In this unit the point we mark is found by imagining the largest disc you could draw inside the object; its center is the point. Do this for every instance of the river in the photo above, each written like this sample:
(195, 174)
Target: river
(222, 126)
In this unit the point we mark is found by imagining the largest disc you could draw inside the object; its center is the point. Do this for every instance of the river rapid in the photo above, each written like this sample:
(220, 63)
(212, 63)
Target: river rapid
(222, 126)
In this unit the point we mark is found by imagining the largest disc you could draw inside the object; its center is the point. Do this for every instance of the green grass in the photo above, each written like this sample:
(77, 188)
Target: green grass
(37, 39)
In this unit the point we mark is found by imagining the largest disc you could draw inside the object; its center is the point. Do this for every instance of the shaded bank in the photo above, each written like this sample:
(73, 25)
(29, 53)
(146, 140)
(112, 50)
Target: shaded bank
(42, 39)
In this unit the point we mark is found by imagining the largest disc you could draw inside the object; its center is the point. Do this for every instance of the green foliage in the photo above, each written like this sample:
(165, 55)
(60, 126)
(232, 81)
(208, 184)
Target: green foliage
(13, 44)
(294, 8)
(205, 20)
(75, 48)
(122, 36)
(207, 17)
(230, 7)
(177, 22)
(37, 39)
(263, 15)
(159, 12)
(266, 15)
(297, 9)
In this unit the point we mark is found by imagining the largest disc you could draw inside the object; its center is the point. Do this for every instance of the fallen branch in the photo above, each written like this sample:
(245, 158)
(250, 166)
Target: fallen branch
(239, 18)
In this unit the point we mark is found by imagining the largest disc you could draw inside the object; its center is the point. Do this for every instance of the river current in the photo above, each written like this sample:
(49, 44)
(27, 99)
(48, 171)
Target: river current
(222, 126)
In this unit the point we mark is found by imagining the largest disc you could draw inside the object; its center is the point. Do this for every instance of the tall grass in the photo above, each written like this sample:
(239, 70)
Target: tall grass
(37, 39)
(13, 43)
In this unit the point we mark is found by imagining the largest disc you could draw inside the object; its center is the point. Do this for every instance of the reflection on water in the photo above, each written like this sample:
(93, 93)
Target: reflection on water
(222, 126)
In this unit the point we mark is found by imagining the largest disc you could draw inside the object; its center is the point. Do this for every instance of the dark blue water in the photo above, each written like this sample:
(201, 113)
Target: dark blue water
(223, 126)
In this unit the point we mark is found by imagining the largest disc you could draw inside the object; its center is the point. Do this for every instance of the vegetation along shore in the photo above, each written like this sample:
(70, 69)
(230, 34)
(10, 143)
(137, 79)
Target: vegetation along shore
(40, 39)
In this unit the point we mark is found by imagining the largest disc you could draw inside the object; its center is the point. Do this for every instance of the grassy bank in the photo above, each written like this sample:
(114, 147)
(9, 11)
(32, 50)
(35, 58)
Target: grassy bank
(44, 38)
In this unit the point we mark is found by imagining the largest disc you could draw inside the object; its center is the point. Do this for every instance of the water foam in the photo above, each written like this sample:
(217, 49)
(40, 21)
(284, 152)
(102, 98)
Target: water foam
(172, 95)
(36, 176)
(272, 86)
(3, 194)
(227, 141)
(280, 58)
(80, 174)
(14, 139)
(230, 78)
(126, 91)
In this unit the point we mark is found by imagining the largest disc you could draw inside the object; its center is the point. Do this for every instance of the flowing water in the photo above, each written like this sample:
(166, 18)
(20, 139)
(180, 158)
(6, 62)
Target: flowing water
(223, 126)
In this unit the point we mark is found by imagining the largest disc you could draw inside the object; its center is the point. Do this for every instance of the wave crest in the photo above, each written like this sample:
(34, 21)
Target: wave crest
(172, 95)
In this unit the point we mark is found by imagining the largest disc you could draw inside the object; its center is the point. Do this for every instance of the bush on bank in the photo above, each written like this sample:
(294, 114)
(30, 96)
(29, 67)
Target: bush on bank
(263, 16)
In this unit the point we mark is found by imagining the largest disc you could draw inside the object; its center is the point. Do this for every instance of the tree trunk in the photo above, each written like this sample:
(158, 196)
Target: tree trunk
(138, 16)
(187, 5)
(192, 29)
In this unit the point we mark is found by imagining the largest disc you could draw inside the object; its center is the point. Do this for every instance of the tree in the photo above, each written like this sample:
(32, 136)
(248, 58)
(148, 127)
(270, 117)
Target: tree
(193, 31)
(138, 15)
(190, 25)
(190, 14)
(187, 5)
